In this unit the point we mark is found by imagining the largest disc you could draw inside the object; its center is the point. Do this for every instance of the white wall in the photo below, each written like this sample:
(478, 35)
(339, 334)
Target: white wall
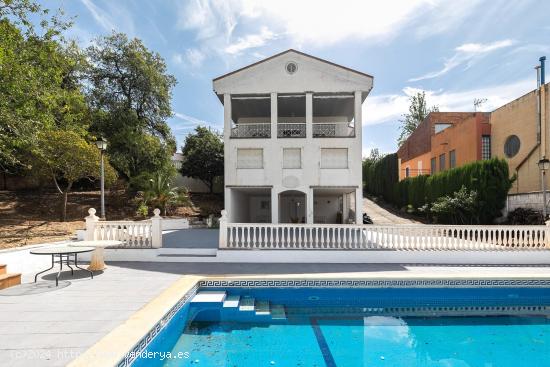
(326, 206)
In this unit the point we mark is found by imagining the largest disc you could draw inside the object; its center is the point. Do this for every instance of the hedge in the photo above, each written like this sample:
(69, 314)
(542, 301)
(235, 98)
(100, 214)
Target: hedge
(489, 178)
(381, 176)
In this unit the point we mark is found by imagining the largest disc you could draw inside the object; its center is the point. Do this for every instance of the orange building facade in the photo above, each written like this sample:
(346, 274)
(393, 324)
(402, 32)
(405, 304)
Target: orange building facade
(445, 140)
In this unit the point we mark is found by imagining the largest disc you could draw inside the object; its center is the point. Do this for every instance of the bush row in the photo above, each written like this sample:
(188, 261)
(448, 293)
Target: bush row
(488, 178)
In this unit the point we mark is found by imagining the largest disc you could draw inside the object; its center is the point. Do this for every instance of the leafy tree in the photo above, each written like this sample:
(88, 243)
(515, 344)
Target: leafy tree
(66, 157)
(203, 156)
(418, 110)
(39, 86)
(130, 94)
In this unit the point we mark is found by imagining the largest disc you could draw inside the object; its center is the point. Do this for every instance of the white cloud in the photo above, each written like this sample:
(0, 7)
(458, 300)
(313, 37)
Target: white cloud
(250, 41)
(112, 16)
(99, 15)
(319, 23)
(191, 122)
(465, 53)
(391, 107)
(192, 58)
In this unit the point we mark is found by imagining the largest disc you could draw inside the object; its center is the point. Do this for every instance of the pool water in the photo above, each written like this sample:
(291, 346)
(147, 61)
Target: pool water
(365, 327)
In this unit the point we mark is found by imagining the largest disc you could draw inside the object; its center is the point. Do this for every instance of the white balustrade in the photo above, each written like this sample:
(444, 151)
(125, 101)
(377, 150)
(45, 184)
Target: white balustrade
(332, 130)
(394, 238)
(132, 234)
(291, 130)
(251, 130)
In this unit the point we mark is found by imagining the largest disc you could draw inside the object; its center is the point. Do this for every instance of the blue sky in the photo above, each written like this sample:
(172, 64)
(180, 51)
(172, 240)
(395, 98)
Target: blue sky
(454, 50)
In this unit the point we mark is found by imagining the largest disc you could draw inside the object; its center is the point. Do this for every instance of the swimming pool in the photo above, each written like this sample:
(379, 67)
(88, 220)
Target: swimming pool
(301, 326)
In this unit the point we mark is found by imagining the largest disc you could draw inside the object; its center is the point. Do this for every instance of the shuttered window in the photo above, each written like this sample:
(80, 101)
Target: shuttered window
(292, 158)
(334, 158)
(250, 158)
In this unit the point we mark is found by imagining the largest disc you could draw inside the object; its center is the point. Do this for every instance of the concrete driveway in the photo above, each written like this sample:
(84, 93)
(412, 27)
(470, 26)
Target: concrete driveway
(382, 216)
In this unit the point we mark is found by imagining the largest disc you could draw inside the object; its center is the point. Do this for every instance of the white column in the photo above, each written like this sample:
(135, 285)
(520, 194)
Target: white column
(91, 221)
(274, 114)
(274, 206)
(359, 205)
(309, 206)
(309, 115)
(358, 114)
(156, 229)
(223, 230)
(226, 146)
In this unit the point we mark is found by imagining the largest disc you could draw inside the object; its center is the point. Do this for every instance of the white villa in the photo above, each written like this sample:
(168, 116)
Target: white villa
(292, 134)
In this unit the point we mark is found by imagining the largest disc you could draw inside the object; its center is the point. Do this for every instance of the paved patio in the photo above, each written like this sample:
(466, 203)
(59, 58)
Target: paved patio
(195, 238)
(41, 325)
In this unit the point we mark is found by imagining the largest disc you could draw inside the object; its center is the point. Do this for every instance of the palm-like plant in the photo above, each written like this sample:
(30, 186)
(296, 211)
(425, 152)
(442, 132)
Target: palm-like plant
(160, 194)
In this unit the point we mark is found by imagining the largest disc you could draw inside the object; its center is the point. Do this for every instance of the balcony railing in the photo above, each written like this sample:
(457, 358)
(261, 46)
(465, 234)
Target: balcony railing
(333, 130)
(260, 130)
(291, 130)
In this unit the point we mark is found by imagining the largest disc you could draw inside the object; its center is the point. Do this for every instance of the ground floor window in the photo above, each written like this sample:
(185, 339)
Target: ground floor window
(452, 159)
(486, 147)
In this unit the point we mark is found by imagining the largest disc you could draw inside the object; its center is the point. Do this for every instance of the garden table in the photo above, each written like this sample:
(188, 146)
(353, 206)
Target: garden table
(97, 261)
(62, 255)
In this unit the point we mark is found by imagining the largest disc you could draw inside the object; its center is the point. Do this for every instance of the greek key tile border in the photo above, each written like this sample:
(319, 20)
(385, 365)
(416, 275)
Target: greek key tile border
(402, 283)
(159, 326)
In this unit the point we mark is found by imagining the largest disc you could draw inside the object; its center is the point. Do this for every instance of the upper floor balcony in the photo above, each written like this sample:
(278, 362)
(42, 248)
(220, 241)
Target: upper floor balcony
(262, 130)
(284, 116)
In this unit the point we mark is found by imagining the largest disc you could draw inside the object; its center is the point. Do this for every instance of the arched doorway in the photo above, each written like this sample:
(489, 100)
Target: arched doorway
(292, 207)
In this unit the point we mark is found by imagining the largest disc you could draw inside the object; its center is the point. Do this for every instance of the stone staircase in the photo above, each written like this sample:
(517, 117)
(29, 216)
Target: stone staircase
(8, 280)
(241, 304)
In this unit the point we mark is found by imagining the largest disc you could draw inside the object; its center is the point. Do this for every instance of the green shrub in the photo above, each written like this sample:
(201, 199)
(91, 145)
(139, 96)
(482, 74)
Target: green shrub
(488, 178)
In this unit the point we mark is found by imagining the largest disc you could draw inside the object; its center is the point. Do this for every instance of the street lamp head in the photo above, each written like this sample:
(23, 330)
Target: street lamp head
(544, 164)
(101, 144)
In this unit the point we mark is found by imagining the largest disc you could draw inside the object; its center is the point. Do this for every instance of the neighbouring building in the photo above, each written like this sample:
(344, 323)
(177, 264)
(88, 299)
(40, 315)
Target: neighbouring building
(445, 140)
(518, 132)
(191, 184)
(292, 140)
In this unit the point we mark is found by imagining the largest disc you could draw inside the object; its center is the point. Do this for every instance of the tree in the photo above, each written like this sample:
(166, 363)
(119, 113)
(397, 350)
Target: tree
(203, 156)
(65, 157)
(39, 83)
(418, 111)
(130, 94)
(159, 193)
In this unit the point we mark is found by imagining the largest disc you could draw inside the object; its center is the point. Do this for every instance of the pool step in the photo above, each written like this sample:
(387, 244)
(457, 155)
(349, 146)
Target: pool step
(247, 304)
(278, 312)
(231, 301)
(262, 308)
(209, 297)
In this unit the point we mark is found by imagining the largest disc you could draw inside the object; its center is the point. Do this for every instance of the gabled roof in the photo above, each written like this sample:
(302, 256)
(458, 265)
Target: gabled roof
(295, 51)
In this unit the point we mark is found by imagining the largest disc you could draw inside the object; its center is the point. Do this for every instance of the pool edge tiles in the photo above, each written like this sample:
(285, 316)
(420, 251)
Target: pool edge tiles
(374, 283)
(121, 345)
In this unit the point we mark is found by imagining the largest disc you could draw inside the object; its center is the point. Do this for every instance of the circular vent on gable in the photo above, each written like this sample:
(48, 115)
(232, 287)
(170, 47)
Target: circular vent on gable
(291, 67)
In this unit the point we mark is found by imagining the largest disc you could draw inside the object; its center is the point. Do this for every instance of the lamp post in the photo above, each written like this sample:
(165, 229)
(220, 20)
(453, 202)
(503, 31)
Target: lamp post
(101, 144)
(544, 164)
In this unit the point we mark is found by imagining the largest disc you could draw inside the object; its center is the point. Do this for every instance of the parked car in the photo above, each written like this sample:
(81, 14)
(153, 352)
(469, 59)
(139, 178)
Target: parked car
(366, 219)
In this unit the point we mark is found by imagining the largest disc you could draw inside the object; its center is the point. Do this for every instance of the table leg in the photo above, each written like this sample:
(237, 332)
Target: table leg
(76, 264)
(60, 269)
(97, 262)
(43, 271)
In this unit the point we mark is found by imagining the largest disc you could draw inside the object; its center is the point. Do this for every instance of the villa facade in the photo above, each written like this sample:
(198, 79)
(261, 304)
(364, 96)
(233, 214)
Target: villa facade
(293, 142)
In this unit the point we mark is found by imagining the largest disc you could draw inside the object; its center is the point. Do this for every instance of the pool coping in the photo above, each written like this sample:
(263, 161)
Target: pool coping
(136, 332)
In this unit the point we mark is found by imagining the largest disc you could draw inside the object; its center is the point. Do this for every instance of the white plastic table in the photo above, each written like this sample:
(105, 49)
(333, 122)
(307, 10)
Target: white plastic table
(97, 261)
